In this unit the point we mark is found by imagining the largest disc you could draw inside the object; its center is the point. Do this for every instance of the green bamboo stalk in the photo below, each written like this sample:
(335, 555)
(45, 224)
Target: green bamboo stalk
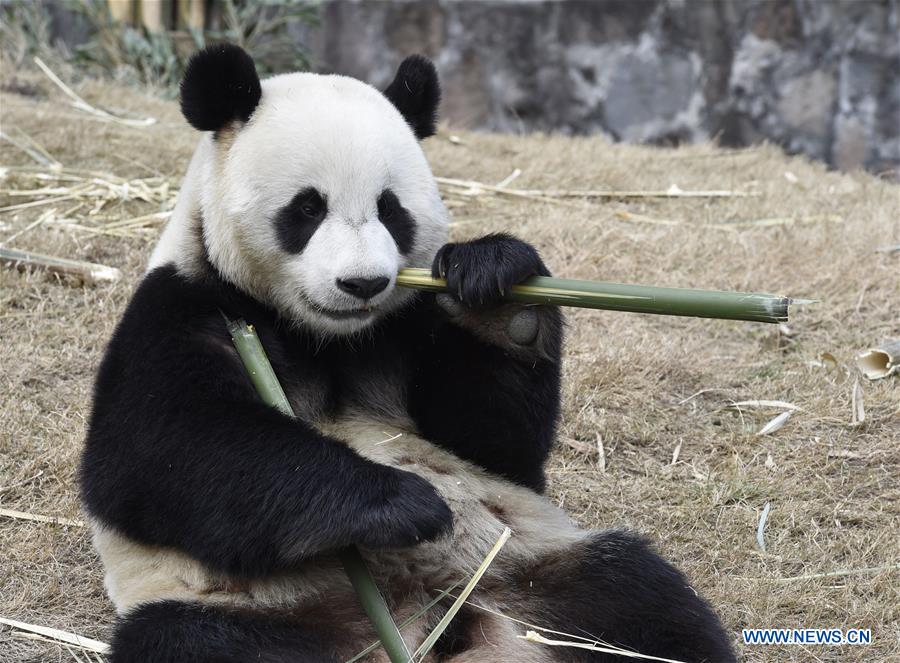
(635, 298)
(444, 593)
(266, 382)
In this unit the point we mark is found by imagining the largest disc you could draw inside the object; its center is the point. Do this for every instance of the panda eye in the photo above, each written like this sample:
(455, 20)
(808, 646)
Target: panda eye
(312, 205)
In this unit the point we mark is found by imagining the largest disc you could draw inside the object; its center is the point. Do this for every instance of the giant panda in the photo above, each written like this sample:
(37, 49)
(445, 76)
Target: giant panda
(423, 421)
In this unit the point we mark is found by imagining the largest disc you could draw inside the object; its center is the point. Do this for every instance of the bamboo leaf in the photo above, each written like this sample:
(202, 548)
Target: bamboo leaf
(432, 638)
(534, 636)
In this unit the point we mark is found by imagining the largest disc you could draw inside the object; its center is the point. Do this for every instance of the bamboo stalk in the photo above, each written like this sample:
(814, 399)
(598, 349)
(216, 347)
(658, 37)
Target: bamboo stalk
(266, 382)
(37, 518)
(61, 636)
(754, 307)
(82, 105)
(374, 605)
(421, 612)
(672, 192)
(89, 271)
(880, 361)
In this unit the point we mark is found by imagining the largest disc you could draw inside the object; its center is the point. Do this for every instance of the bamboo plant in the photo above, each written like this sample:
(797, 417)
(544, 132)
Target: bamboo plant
(635, 298)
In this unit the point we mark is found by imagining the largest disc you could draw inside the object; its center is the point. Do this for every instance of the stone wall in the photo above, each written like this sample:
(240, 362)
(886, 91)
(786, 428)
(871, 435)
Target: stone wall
(820, 77)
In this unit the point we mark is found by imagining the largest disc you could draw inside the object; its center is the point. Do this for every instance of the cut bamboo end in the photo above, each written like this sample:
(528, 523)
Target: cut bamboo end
(754, 307)
(88, 271)
(881, 361)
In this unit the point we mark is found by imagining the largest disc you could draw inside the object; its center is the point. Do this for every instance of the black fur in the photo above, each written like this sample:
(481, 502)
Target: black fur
(296, 222)
(220, 85)
(481, 271)
(397, 219)
(173, 632)
(181, 451)
(614, 587)
(416, 93)
(497, 411)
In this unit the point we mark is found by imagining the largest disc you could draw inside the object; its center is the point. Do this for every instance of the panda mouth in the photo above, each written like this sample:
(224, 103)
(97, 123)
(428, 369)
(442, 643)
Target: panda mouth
(351, 314)
(362, 312)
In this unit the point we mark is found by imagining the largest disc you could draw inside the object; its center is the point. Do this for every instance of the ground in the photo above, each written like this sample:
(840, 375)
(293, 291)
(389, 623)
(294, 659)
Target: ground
(654, 391)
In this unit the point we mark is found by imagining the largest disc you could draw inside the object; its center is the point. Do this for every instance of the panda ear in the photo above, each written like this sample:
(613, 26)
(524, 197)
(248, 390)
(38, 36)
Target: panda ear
(416, 93)
(220, 85)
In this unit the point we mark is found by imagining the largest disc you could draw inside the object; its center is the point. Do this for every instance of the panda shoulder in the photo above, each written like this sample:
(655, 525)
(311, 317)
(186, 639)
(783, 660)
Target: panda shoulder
(166, 301)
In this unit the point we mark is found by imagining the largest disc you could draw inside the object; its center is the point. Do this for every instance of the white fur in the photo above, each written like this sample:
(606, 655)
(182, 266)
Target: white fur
(333, 133)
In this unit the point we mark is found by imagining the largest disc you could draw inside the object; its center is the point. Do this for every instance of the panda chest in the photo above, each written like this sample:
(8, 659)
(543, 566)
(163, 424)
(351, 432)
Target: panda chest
(353, 384)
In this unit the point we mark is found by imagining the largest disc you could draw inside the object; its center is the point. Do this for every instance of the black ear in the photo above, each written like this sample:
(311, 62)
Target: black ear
(416, 93)
(220, 85)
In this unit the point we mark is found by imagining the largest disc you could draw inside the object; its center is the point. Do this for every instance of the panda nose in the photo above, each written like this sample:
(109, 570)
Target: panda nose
(363, 288)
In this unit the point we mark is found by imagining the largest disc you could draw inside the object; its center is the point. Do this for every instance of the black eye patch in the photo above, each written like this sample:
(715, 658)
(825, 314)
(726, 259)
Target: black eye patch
(397, 220)
(296, 222)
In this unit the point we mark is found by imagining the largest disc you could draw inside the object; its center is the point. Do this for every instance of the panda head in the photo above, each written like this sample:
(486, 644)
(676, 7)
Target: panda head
(313, 190)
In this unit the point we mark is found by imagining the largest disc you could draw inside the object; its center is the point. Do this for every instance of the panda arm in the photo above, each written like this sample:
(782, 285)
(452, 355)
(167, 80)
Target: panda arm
(489, 402)
(182, 453)
(486, 383)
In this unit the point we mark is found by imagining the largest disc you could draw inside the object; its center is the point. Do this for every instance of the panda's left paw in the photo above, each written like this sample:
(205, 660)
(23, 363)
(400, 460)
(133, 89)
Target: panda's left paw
(480, 272)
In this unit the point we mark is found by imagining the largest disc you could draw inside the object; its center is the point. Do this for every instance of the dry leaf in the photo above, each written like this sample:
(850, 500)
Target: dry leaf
(776, 423)
(828, 359)
(857, 407)
(761, 528)
(781, 405)
(601, 453)
(676, 452)
(843, 453)
(578, 445)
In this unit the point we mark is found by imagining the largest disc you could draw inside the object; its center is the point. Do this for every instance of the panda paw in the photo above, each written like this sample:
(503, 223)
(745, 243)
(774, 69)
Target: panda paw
(509, 325)
(480, 272)
(410, 513)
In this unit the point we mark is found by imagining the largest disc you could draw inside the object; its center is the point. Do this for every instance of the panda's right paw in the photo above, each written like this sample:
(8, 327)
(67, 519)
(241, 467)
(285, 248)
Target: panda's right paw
(410, 513)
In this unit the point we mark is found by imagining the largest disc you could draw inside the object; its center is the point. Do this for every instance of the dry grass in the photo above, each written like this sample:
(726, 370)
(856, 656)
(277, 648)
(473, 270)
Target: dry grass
(652, 388)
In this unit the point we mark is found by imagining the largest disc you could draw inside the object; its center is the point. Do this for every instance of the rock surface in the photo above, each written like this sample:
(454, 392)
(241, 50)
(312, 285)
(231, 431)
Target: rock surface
(821, 77)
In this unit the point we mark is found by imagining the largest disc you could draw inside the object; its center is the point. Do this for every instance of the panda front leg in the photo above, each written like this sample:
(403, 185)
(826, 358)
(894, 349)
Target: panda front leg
(487, 374)
(479, 274)
(182, 453)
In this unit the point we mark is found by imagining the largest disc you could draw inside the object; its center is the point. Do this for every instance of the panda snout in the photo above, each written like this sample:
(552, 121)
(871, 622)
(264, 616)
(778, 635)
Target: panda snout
(363, 288)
